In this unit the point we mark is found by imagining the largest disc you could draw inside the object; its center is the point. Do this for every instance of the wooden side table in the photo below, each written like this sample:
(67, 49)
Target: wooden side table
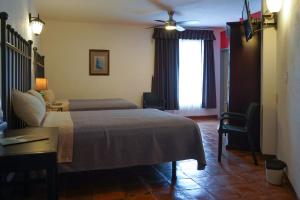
(35, 155)
(56, 108)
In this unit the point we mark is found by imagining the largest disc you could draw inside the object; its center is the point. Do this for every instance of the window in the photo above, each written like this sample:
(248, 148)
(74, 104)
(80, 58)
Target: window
(190, 74)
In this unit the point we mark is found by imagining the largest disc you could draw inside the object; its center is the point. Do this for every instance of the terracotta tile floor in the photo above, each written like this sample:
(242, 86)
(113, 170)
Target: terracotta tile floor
(236, 178)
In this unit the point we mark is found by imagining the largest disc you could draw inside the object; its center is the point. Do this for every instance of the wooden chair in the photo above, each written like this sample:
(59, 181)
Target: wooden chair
(151, 100)
(246, 119)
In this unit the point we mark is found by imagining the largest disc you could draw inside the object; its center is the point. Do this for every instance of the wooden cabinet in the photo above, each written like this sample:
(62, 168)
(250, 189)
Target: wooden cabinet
(33, 156)
(244, 79)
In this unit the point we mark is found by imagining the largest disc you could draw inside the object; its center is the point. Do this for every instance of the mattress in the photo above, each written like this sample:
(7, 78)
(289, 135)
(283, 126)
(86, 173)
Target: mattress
(110, 139)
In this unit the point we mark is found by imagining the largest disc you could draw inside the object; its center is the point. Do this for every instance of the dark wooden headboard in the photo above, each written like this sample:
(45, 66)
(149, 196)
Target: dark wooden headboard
(15, 68)
(38, 64)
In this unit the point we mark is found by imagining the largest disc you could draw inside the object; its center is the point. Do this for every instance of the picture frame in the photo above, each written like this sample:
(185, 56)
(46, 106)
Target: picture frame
(99, 62)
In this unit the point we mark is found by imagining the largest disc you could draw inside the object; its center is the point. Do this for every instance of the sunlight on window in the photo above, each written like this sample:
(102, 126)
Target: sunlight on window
(190, 74)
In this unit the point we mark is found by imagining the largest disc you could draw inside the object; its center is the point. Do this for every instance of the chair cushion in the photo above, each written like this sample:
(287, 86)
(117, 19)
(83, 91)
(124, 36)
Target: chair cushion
(232, 128)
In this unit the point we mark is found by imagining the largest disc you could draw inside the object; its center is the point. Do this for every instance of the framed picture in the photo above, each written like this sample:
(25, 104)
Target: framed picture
(99, 62)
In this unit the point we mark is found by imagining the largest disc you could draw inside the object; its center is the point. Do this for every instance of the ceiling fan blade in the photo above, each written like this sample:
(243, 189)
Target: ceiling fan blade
(162, 21)
(189, 23)
(156, 26)
(180, 28)
(161, 5)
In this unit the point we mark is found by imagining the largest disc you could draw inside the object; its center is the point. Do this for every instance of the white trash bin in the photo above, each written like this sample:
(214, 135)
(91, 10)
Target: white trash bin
(274, 171)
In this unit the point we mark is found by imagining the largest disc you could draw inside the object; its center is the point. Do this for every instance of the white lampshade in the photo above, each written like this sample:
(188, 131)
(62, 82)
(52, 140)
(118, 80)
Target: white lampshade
(37, 27)
(274, 5)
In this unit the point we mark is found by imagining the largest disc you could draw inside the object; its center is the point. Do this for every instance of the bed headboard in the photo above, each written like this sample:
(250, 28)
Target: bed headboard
(38, 64)
(15, 68)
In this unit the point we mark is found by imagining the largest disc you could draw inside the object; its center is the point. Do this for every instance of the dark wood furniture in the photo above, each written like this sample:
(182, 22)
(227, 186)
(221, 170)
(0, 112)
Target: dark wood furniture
(244, 80)
(246, 129)
(33, 156)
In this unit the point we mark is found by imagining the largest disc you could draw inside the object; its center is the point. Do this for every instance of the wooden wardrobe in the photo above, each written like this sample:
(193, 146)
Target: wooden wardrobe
(244, 79)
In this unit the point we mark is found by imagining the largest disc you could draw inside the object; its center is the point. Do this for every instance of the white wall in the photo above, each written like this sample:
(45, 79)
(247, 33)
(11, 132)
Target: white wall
(217, 51)
(18, 17)
(288, 84)
(66, 47)
(268, 90)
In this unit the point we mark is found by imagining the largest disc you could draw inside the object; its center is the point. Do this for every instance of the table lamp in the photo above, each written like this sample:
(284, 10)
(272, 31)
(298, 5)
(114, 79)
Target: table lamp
(41, 84)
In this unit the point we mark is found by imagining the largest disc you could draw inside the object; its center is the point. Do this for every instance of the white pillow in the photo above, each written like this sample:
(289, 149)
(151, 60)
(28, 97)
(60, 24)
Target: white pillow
(37, 95)
(49, 96)
(28, 108)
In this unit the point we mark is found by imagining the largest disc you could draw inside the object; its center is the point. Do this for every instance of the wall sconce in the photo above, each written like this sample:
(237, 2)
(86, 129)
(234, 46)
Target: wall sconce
(274, 6)
(36, 24)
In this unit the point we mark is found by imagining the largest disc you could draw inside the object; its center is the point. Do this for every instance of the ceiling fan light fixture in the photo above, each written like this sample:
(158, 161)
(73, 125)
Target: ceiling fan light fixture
(180, 28)
(170, 27)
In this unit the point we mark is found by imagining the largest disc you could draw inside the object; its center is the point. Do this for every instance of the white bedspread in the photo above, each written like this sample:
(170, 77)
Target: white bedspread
(63, 121)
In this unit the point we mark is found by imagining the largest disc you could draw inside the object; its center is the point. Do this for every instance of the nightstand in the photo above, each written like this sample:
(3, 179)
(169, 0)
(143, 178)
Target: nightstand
(55, 107)
(35, 155)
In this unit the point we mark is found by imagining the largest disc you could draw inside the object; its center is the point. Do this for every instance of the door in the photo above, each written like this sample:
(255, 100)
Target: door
(224, 80)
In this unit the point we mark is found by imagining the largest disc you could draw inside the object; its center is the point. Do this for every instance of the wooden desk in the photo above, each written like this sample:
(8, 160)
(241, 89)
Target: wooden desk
(33, 156)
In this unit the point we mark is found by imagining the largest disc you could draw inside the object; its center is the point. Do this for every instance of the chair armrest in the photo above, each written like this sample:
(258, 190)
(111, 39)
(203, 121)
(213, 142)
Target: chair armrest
(162, 102)
(240, 118)
(234, 114)
(145, 104)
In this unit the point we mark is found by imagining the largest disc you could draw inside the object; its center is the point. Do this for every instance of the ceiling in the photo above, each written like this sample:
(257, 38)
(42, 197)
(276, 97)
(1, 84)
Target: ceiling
(210, 13)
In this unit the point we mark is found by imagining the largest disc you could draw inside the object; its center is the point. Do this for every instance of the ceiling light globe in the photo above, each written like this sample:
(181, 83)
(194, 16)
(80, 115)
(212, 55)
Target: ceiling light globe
(170, 27)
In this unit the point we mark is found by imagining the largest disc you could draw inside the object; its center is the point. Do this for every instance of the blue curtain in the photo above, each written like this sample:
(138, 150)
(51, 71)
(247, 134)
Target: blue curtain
(166, 70)
(165, 80)
(209, 83)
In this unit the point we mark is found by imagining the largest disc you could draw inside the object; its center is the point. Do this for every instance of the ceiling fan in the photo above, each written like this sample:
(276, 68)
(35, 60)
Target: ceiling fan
(170, 24)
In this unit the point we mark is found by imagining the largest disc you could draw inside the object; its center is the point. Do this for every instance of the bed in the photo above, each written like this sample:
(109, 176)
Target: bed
(108, 139)
(77, 104)
(123, 138)
(99, 139)
(97, 104)
(89, 104)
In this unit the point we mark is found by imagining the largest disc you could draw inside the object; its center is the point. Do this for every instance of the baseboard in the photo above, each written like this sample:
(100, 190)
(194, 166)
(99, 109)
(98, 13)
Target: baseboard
(204, 117)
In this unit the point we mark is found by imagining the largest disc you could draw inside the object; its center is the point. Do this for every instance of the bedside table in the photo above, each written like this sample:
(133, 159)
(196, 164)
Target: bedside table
(56, 108)
(33, 155)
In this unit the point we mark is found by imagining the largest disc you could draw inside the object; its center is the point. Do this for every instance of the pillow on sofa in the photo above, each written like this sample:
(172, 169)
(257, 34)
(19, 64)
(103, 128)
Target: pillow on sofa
(37, 95)
(28, 108)
(49, 96)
